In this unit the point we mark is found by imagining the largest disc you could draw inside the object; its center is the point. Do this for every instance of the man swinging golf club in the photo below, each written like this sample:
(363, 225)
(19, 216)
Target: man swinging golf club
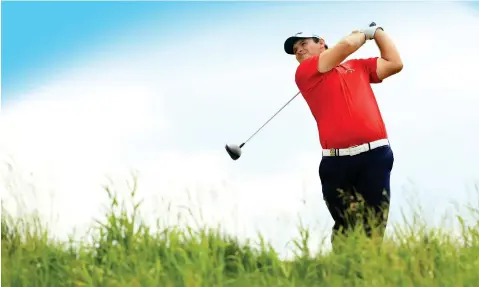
(357, 158)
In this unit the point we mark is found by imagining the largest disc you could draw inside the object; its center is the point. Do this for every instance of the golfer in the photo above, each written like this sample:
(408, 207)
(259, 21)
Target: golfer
(357, 159)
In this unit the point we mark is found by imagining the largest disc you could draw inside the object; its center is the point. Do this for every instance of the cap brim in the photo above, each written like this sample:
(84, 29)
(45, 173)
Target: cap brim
(289, 43)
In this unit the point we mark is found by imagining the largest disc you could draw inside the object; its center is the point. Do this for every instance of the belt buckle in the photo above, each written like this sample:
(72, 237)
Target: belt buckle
(332, 152)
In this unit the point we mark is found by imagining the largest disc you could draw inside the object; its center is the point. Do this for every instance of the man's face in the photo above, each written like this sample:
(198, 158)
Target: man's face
(306, 48)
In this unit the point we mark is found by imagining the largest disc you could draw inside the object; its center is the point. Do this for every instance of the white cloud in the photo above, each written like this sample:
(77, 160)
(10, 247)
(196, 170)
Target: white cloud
(76, 128)
(181, 104)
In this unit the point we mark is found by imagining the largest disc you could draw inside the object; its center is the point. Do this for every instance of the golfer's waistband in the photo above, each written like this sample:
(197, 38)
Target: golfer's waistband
(354, 150)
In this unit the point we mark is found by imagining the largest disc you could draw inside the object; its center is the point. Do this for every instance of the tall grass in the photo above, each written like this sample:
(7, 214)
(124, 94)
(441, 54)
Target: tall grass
(123, 251)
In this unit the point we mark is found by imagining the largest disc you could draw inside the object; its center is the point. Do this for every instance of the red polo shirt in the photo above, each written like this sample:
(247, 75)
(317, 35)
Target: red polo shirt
(342, 101)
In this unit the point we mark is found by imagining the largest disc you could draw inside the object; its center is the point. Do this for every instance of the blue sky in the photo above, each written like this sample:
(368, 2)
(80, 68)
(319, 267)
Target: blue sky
(40, 37)
(94, 98)
(34, 44)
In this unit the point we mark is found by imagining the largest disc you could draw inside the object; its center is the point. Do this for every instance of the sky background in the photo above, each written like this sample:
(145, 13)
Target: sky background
(94, 89)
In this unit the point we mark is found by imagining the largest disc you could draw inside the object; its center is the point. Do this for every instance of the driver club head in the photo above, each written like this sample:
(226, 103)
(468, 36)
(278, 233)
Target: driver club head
(234, 150)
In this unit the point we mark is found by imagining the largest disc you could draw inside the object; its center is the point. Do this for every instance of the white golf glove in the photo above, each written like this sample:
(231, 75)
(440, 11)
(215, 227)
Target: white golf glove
(370, 31)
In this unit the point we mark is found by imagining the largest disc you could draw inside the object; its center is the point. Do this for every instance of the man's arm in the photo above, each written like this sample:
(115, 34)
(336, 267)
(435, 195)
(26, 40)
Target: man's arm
(337, 54)
(390, 62)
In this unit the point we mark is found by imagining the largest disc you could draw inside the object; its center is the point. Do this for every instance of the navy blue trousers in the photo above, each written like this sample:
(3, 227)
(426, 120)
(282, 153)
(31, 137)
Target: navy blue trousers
(354, 185)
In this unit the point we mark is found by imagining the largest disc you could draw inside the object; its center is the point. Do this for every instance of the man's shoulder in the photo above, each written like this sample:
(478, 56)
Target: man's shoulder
(308, 66)
(352, 62)
(306, 71)
(362, 61)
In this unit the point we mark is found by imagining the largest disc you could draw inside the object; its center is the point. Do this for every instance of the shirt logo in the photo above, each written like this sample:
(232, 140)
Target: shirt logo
(345, 69)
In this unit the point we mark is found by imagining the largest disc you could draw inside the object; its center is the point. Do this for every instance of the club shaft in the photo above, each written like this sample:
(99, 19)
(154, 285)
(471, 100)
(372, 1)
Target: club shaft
(270, 119)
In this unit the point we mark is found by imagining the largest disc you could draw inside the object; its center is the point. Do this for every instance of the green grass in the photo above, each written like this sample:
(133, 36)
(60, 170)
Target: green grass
(123, 251)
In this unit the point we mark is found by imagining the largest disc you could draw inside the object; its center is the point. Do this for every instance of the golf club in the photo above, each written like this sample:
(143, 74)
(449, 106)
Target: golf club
(235, 151)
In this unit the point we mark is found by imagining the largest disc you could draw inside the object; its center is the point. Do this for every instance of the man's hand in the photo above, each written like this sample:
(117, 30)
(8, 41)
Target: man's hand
(371, 31)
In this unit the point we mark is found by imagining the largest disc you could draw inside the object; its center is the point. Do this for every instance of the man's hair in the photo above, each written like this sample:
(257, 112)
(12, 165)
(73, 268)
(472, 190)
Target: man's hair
(316, 40)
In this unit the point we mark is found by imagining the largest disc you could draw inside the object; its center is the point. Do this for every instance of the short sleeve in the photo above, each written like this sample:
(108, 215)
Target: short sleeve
(370, 65)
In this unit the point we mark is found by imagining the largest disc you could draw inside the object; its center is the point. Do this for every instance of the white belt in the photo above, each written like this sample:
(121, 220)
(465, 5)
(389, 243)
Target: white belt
(355, 149)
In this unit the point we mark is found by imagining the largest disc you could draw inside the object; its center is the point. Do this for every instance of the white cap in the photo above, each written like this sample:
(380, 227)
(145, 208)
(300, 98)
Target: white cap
(289, 43)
